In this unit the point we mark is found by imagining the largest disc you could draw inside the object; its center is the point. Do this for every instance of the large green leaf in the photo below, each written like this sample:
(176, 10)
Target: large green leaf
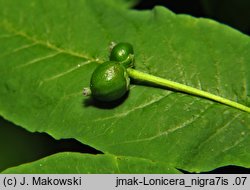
(50, 48)
(69, 162)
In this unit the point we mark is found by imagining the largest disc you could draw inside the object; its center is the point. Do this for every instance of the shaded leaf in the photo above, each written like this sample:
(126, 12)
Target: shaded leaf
(83, 163)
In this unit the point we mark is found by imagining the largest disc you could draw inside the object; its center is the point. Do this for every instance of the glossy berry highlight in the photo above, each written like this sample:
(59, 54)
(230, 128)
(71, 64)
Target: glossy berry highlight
(123, 53)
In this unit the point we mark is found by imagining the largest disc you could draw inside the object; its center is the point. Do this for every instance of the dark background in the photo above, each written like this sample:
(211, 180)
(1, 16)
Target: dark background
(20, 146)
(235, 13)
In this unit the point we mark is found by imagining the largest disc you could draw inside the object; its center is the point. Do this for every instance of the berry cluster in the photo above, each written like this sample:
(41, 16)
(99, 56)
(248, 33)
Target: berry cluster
(110, 80)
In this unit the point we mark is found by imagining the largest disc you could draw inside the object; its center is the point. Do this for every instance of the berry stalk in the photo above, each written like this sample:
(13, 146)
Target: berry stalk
(138, 75)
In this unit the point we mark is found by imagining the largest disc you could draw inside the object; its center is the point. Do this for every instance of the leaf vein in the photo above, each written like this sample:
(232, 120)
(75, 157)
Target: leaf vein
(142, 106)
(38, 60)
(236, 143)
(183, 124)
(23, 47)
(221, 128)
(169, 131)
(9, 28)
(6, 36)
(65, 72)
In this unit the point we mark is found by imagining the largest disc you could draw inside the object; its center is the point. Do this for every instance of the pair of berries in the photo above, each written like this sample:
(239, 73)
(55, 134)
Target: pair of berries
(110, 80)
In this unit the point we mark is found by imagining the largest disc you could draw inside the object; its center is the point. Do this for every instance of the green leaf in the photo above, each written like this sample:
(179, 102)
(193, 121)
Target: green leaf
(69, 162)
(49, 50)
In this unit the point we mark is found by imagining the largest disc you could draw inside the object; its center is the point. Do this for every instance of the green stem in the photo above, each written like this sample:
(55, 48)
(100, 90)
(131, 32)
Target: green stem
(138, 75)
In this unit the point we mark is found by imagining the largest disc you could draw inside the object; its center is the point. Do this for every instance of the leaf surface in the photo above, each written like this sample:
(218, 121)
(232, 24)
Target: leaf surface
(69, 162)
(49, 50)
